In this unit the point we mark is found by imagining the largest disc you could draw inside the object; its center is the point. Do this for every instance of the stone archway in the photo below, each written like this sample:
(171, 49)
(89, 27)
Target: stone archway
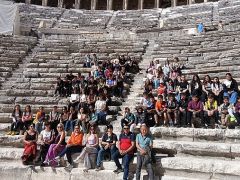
(52, 3)
(68, 4)
(102, 4)
(85, 4)
(133, 4)
(19, 1)
(199, 1)
(182, 2)
(117, 5)
(37, 2)
(148, 4)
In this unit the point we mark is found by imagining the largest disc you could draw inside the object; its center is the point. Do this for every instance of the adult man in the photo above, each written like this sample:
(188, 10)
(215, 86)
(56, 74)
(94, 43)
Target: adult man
(126, 145)
(74, 145)
(144, 145)
(108, 144)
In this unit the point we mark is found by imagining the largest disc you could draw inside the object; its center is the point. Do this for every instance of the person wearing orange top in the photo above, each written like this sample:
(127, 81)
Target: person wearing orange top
(162, 90)
(74, 145)
(160, 107)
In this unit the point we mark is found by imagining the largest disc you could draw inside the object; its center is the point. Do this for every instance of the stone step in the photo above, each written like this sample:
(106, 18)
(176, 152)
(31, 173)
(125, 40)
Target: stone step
(202, 168)
(210, 149)
(197, 134)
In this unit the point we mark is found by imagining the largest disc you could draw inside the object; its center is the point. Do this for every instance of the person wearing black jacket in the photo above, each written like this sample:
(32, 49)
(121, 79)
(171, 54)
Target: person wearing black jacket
(230, 88)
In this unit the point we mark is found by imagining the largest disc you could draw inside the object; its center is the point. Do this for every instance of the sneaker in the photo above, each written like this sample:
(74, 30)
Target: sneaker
(99, 168)
(118, 170)
(13, 133)
(9, 133)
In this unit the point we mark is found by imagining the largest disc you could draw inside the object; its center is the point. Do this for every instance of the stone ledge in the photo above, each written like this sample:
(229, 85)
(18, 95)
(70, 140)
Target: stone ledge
(197, 148)
(194, 134)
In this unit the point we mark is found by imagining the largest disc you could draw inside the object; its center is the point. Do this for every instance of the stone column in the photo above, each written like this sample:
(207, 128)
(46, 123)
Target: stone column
(174, 3)
(28, 1)
(140, 4)
(77, 4)
(109, 4)
(44, 2)
(93, 4)
(156, 4)
(60, 3)
(125, 4)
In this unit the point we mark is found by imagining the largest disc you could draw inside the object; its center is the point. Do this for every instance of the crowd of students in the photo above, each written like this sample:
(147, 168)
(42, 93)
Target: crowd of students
(169, 99)
(179, 102)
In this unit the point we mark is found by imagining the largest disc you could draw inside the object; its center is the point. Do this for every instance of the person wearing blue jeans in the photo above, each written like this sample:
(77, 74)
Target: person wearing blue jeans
(108, 145)
(230, 88)
(126, 146)
(70, 123)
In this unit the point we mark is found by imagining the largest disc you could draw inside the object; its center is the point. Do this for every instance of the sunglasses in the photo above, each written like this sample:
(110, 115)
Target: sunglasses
(125, 128)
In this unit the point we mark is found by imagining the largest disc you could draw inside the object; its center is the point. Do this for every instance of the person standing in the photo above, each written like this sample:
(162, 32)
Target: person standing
(144, 145)
(126, 146)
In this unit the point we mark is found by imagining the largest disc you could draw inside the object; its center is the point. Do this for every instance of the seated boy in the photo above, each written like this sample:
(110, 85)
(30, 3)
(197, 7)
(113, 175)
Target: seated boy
(172, 109)
(161, 116)
(211, 111)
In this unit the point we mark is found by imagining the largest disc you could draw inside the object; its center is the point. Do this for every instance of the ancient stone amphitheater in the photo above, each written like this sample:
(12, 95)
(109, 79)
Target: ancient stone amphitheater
(29, 67)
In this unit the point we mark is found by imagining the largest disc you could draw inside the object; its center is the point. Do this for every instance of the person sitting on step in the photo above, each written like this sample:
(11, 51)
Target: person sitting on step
(56, 147)
(211, 111)
(74, 145)
(126, 147)
(30, 145)
(107, 145)
(16, 120)
(88, 154)
(46, 139)
(195, 111)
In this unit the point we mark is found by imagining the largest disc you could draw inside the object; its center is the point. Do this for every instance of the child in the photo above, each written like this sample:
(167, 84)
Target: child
(195, 109)
(224, 110)
(237, 110)
(162, 90)
(211, 110)
(183, 104)
(17, 120)
(39, 119)
(172, 109)
(161, 115)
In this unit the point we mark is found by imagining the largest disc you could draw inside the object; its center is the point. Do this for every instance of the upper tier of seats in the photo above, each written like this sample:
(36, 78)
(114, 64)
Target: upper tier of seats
(170, 18)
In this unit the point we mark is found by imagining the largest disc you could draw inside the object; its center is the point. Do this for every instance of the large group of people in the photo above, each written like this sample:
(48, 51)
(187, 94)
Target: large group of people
(205, 103)
(169, 99)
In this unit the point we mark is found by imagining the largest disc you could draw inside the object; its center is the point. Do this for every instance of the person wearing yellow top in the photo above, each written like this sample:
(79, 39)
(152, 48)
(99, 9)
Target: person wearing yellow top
(74, 145)
(211, 111)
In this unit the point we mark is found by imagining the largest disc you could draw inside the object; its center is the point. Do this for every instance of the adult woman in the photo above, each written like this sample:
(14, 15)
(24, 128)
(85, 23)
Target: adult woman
(30, 145)
(89, 153)
(56, 147)
(82, 120)
(46, 139)
(27, 116)
(17, 120)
